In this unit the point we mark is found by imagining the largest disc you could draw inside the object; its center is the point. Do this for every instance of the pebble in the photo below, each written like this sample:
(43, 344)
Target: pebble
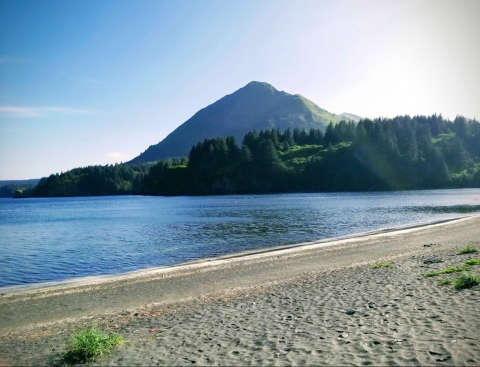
(432, 261)
(343, 335)
(350, 312)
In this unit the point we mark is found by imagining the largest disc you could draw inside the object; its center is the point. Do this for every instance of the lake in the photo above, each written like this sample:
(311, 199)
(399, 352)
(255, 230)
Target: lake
(55, 239)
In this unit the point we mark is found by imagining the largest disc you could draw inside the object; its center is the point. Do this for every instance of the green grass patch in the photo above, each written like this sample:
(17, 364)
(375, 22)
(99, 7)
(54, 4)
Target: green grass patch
(453, 269)
(472, 262)
(468, 250)
(89, 344)
(298, 155)
(466, 281)
(384, 265)
(444, 282)
(302, 151)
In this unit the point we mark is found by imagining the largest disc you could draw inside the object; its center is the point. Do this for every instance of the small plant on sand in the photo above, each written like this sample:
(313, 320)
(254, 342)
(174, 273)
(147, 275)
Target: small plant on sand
(453, 269)
(468, 250)
(472, 262)
(466, 281)
(89, 344)
(444, 282)
(384, 265)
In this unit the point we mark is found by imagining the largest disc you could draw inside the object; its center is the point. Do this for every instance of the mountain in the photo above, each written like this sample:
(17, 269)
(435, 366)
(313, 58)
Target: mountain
(350, 116)
(257, 106)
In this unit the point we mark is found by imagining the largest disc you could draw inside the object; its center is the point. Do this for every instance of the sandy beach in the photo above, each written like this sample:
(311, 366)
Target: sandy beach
(315, 304)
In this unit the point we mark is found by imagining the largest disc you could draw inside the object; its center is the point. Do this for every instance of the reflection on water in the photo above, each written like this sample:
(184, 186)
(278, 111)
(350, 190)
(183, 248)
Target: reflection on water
(61, 238)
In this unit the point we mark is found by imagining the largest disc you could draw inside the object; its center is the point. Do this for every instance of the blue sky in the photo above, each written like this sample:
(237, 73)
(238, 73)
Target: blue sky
(97, 82)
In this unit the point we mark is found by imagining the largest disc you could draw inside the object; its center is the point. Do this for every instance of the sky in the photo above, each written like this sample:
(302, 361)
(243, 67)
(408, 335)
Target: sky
(97, 82)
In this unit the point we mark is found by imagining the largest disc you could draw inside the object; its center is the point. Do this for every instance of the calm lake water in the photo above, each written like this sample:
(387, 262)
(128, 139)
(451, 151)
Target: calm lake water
(54, 239)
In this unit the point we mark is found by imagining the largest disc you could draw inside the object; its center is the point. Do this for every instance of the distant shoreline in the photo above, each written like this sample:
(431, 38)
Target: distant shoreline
(256, 193)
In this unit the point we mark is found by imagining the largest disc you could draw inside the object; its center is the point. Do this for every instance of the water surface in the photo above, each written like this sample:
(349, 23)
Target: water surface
(54, 239)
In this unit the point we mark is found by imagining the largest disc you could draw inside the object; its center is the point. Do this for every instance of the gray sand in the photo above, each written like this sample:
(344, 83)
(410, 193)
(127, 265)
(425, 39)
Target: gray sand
(277, 308)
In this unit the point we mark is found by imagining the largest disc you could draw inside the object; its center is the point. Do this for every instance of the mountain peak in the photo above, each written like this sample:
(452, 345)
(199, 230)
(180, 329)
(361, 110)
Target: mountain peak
(259, 87)
(255, 83)
(258, 105)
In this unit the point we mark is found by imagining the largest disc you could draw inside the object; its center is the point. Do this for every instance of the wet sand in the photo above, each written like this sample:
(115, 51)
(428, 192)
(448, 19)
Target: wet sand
(279, 307)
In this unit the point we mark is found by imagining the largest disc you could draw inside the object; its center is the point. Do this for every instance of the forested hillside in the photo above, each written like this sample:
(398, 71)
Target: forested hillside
(119, 179)
(8, 190)
(383, 154)
(9, 187)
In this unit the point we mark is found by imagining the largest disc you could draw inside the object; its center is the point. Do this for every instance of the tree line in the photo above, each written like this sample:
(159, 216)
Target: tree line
(420, 152)
(9, 190)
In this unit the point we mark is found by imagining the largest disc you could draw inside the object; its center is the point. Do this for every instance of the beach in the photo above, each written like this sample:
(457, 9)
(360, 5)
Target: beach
(312, 304)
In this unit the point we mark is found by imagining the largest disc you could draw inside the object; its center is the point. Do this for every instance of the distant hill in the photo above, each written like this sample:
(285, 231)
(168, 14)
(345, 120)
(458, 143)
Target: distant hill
(9, 187)
(257, 106)
(32, 181)
(350, 116)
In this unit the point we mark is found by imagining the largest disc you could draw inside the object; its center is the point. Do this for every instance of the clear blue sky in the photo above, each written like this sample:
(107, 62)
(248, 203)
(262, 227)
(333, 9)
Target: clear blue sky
(97, 82)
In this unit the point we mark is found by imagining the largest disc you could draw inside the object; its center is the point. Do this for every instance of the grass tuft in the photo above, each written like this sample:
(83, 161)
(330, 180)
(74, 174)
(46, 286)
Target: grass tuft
(453, 269)
(89, 344)
(472, 262)
(384, 265)
(466, 281)
(468, 250)
(444, 282)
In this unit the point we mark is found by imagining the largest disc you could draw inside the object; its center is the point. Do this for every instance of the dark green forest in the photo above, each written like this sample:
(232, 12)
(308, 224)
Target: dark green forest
(118, 179)
(402, 153)
(8, 191)
(9, 187)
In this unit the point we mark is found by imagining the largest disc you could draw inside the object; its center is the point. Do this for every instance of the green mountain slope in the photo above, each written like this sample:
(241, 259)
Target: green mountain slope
(256, 106)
